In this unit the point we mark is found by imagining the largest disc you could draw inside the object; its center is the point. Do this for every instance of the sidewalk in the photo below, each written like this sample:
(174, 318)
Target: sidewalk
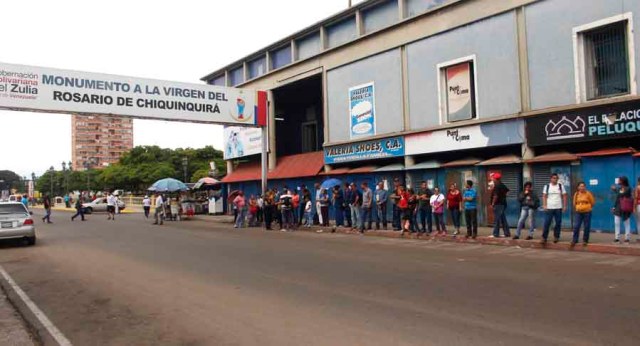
(598, 242)
(13, 330)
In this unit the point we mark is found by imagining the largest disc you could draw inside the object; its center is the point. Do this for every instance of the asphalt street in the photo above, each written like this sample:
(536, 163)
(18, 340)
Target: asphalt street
(127, 282)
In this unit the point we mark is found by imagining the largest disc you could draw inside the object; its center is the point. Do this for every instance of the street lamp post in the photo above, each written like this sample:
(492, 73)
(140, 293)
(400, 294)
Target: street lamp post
(51, 180)
(185, 165)
(64, 181)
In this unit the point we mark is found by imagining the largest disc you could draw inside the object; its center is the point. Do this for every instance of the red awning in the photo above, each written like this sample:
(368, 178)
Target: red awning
(636, 155)
(300, 165)
(363, 169)
(608, 152)
(463, 162)
(337, 171)
(246, 171)
(501, 160)
(553, 157)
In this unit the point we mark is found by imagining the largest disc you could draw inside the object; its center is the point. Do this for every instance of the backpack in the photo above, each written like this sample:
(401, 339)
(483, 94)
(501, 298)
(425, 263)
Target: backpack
(546, 188)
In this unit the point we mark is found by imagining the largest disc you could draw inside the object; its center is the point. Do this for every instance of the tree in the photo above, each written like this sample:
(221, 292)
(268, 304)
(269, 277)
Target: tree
(11, 180)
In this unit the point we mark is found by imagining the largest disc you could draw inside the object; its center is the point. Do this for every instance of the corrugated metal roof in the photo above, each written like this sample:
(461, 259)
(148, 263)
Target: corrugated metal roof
(425, 165)
(463, 162)
(391, 168)
(364, 169)
(501, 160)
(292, 166)
(553, 157)
(337, 171)
(609, 152)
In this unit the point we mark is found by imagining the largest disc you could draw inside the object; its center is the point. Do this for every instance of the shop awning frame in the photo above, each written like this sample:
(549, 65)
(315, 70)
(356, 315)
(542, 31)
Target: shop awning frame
(609, 152)
(501, 160)
(425, 165)
(363, 169)
(556, 156)
(396, 167)
(462, 162)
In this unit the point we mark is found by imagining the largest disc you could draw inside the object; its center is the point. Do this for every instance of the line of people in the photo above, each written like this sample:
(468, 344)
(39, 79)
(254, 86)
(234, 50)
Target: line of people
(422, 210)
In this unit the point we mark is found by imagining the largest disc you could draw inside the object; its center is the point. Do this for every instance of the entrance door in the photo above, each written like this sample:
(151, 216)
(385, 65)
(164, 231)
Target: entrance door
(599, 174)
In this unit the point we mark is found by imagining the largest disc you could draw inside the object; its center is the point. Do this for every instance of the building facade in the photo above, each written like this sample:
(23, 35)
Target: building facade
(98, 141)
(448, 90)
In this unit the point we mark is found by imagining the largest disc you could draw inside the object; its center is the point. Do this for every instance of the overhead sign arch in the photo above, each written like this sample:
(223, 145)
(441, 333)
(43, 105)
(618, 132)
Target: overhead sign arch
(31, 88)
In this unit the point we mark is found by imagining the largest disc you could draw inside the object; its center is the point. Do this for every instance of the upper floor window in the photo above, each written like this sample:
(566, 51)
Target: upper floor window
(605, 58)
(457, 86)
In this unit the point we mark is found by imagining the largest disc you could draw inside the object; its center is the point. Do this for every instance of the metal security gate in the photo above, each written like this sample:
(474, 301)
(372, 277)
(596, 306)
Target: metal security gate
(512, 178)
(541, 177)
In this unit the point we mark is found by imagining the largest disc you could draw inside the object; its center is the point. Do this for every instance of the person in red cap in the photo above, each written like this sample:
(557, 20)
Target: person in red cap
(499, 204)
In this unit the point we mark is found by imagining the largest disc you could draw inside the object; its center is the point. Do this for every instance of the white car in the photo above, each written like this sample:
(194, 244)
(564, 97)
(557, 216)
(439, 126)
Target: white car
(100, 205)
(16, 223)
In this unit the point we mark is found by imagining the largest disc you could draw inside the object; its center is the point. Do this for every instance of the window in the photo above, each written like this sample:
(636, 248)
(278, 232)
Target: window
(281, 57)
(309, 137)
(236, 76)
(457, 90)
(604, 58)
(257, 67)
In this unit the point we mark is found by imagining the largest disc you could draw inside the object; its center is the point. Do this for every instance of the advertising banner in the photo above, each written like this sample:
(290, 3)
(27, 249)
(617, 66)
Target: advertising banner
(51, 90)
(241, 141)
(459, 95)
(362, 111)
(611, 121)
(369, 150)
(469, 137)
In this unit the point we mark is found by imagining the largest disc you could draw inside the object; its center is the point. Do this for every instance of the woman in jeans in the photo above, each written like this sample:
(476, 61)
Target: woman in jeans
(437, 202)
(529, 203)
(240, 205)
(583, 202)
(324, 207)
(622, 209)
(454, 201)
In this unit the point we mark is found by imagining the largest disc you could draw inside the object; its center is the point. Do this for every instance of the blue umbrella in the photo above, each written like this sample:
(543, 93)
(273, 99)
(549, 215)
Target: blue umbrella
(168, 185)
(330, 183)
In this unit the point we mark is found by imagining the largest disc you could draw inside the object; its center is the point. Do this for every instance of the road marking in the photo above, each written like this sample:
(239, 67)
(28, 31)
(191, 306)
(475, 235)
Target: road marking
(51, 328)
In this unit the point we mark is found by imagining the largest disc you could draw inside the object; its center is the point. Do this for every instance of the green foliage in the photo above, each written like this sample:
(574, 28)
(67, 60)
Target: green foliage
(11, 181)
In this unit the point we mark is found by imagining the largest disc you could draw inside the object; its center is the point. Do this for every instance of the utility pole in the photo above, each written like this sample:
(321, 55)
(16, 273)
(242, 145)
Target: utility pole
(185, 165)
(51, 181)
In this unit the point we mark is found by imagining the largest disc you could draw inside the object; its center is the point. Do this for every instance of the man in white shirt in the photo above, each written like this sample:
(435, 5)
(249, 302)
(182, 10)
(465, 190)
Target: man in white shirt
(146, 205)
(111, 206)
(554, 203)
(159, 211)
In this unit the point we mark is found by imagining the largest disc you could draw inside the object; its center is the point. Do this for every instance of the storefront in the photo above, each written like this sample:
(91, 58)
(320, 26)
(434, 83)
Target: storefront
(602, 138)
(471, 153)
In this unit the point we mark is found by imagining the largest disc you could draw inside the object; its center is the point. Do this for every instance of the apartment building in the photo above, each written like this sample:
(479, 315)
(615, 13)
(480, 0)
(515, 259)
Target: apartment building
(98, 141)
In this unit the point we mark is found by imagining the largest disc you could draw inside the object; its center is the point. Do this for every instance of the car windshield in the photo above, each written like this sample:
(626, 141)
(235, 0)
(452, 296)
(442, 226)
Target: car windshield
(12, 209)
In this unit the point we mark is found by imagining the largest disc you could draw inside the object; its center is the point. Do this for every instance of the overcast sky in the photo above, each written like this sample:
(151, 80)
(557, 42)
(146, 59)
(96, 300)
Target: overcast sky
(170, 40)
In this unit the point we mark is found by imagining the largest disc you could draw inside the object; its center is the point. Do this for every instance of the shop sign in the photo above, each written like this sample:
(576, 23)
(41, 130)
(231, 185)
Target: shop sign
(611, 121)
(241, 141)
(369, 150)
(31, 88)
(468, 137)
(362, 111)
(459, 92)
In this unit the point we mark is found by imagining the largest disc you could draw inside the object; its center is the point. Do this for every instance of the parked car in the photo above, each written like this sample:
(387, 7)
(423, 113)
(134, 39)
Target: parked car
(99, 205)
(16, 222)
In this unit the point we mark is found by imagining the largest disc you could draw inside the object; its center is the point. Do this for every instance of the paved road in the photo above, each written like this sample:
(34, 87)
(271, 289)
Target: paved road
(127, 282)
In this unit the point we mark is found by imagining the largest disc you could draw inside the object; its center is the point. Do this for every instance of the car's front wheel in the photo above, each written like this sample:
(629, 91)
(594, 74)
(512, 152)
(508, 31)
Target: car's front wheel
(88, 210)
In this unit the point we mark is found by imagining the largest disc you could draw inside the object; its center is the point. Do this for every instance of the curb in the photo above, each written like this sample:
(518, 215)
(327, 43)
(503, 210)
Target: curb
(623, 250)
(34, 327)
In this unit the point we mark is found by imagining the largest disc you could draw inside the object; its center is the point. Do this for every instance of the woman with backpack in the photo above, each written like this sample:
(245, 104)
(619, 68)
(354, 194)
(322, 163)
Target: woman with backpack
(437, 202)
(583, 202)
(622, 209)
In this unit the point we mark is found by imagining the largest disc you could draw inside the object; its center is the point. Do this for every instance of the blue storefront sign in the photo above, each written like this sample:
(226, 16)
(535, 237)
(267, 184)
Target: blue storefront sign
(369, 150)
(362, 111)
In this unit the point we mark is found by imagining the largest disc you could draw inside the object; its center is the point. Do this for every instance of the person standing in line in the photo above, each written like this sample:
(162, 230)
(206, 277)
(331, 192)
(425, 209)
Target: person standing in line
(381, 197)
(529, 204)
(338, 205)
(454, 203)
(403, 205)
(395, 198)
(260, 214)
(367, 203)
(308, 214)
(295, 202)
(269, 206)
(583, 202)
(348, 200)
(437, 202)
(470, 197)
(622, 209)
(324, 207)
(111, 206)
(159, 209)
(240, 204)
(79, 210)
(47, 209)
(318, 206)
(424, 209)
(355, 206)
(412, 210)
(636, 196)
(499, 204)
(253, 211)
(554, 203)
(146, 205)
(286, 208)
(306, 196)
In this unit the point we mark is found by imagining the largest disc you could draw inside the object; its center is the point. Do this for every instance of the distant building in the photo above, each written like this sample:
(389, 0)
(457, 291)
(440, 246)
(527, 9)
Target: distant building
(98, 141)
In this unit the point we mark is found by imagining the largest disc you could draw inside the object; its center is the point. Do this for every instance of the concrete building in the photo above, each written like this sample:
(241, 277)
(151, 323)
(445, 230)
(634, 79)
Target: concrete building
(98, 141)
(449, 90)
